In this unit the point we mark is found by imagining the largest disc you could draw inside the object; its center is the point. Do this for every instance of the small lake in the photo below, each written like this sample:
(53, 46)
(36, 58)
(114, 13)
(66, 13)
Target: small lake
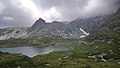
(33, 51)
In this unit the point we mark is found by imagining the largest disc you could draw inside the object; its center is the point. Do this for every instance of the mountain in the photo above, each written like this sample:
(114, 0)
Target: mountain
(77, 28)
(109, 32)
(89, 24)
(40, 27)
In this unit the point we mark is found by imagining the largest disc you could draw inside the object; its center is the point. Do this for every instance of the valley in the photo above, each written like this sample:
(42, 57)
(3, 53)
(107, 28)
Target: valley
(99, 48)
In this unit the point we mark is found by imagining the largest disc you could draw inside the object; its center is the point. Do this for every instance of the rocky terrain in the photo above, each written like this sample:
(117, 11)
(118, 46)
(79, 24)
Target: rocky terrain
(41, 28)
(13, 32)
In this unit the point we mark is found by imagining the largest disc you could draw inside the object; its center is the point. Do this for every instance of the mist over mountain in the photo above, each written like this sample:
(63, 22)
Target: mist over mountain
(75, 29)
(21, 13)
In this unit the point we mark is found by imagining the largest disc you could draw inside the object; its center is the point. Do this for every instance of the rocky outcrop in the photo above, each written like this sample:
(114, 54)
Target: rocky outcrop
(13, 32)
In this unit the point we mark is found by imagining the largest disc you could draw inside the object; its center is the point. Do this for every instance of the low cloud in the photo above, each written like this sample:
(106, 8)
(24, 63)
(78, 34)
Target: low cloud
(2, 7)
(25, 12)
(72, 9)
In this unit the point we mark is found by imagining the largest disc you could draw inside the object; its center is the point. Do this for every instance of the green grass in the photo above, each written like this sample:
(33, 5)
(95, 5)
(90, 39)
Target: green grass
(14, 60)
(77, 57)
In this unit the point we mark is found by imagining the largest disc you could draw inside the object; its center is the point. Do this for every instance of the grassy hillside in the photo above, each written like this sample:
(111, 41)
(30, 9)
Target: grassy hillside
(100, 55)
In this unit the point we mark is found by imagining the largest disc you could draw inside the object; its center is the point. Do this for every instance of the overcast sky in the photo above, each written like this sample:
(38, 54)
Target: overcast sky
(25, 12)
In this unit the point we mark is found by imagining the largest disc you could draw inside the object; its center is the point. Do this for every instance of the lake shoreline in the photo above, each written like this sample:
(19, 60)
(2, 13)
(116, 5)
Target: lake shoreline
(32, 51)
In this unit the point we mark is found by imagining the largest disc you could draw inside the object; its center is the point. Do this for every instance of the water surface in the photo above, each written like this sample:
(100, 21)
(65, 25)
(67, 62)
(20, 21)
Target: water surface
(33, 51)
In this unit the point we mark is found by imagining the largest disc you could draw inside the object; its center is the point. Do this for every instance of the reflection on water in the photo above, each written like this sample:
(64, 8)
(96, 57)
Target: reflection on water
(33, 51)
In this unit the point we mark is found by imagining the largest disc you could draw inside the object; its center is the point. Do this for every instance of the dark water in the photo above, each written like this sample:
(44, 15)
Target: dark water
(33, 51)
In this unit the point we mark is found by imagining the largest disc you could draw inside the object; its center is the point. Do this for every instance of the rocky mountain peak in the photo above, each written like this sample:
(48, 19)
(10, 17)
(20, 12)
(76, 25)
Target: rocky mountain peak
(38, 25)
(40, 21)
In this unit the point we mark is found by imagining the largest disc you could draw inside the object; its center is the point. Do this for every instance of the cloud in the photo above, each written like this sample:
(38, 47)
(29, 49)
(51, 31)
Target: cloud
(101, 7)
(2, 7)
(8, 19)
(14, 11)
(72, 9)
(67, 9)
(25, 12)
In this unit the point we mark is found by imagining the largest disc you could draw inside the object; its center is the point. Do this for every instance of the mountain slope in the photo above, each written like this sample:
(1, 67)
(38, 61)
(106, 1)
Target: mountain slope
(89, 24)
(71, 30)
(13, 32)
(109, 32)
(40, 27)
